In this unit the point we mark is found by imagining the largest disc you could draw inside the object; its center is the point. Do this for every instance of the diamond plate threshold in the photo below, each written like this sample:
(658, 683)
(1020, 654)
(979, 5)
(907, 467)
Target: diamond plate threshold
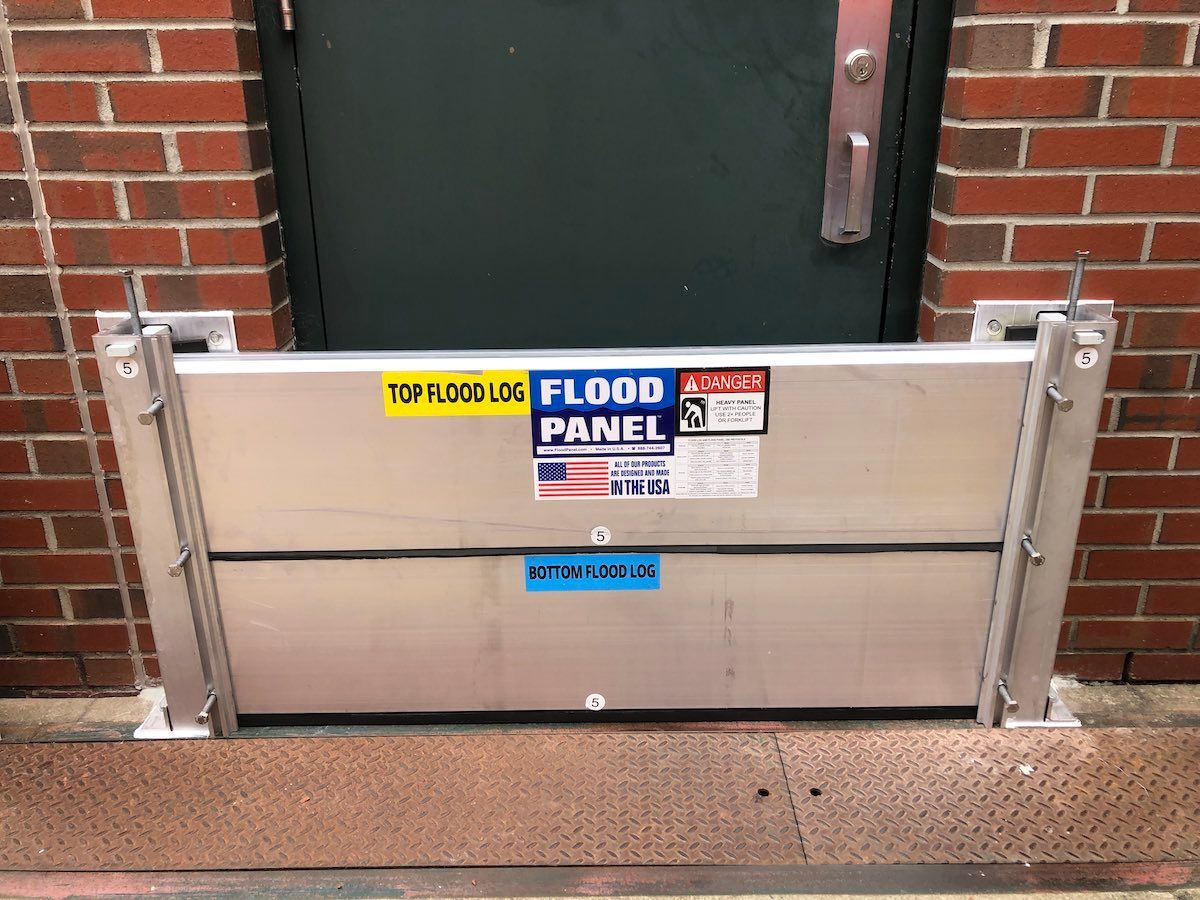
(604, 799)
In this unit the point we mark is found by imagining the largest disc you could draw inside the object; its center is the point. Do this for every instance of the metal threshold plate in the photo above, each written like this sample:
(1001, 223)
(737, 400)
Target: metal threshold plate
(614, 798)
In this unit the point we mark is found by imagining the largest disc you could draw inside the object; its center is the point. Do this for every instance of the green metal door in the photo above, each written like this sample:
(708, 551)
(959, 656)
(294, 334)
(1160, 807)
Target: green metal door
(574, 173)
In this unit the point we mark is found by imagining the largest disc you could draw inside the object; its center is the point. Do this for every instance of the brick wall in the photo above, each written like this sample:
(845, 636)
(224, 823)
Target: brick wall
(131, 135)
(1075, 124)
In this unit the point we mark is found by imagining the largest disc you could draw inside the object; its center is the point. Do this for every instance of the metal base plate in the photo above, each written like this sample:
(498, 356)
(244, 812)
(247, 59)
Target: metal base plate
(616, 798)
(157, 724)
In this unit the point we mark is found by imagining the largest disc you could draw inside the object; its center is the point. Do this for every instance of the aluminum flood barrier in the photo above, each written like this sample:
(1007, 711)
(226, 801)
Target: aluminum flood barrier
(648, 532)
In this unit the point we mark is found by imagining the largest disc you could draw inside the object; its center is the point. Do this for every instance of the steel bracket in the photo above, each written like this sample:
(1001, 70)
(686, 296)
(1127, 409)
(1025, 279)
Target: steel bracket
(1017, 320)
(214, 327)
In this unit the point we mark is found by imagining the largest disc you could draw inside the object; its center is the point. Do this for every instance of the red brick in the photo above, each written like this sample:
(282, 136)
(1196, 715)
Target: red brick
(81, 51)
(67, 457)
(1188, 456)
(88, 292)
(108, 671)
(1166, 329)
(1116, 565)
(28, 603)
(1149, 371)
(963, 287)
(1187, 146)
(145, 637)
(60, 101)
(1023, 96)
(96, 603)
(23, 533)
(75, 637)
(1163, 6)
(1152, 491)
(89, 374)
(1132, 634)
(79, 199)
(249, 198)
(1123, 145)
(1176, 240)
(264, 332)
(57, 568)
(1153, 96)
(1181, 528)
(1173, 599)
(99, 151)
(117, 246)
(1117, 44)
(1102, 599)
(209, 50)
(98, 411)
(80, 532)
(1147, 193)
(23, 293)
(21, 247)
(1119, 452)
(36, 494)
(992, 46)
(979, 148)
(1117, 528)
(1092, 491)
(971, 7)
(238, 246)
(1165, 667)
(216, 291)
(1091, 666)
(223, 151)
(38, 672)
(975, 194)
(187, 101)
(43, 376)
(1054, 242)
(13, 457)
(107, 453)
(29, 332)
(172, 9)
(10, 153)
(25, 414)
(44, 9)
(1144, 286)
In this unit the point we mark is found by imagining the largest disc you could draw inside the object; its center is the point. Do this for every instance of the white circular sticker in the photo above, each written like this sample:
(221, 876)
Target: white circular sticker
(1086, 358)
(127, 368)
(601, 536)
(594, 702)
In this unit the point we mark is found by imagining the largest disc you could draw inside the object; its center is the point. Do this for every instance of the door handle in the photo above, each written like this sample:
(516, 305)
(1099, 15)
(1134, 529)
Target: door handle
(860, 153)
(852, 148)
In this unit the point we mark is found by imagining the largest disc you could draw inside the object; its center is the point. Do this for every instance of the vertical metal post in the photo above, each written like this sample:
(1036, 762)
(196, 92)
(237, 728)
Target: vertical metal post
(1049, 483)
(137, 374)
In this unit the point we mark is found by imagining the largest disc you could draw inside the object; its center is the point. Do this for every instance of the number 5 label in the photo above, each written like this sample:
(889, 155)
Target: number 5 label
(1086, 358)
(127, 368)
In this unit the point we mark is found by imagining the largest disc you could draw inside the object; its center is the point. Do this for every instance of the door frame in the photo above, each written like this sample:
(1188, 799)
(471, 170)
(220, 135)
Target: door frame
(929, 39)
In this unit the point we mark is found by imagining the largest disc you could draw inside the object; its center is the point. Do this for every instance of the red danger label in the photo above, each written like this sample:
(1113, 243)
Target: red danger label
(748, 381)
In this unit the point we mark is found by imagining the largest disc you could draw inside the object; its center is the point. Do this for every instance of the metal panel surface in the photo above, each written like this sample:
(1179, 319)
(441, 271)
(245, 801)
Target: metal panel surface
(724, 631)
(294, 452)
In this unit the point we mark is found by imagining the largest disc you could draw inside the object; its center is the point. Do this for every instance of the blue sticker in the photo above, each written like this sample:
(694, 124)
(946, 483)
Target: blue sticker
(593, 572)
(606, 413)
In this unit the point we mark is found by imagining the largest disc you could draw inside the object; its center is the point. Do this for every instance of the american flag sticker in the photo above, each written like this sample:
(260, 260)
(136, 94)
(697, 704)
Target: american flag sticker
(572, 478)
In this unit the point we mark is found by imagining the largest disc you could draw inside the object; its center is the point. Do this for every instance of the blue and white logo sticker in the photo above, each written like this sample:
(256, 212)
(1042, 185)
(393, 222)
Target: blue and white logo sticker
(603, 413)
(593, 572)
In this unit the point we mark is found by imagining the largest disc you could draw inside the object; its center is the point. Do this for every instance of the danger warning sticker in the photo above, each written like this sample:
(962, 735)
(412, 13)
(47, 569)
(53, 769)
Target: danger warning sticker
(455, 394)
(722, 401)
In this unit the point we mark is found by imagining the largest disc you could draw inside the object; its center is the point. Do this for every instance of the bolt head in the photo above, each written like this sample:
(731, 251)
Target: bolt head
(216, 338)
(994, 327)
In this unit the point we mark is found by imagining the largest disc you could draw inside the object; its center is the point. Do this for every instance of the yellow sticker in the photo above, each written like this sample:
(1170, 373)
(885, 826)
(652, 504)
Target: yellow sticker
(455, 394)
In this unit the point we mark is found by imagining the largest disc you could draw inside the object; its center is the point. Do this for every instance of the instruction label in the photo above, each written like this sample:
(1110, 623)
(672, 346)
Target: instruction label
(593, 572)
(603, 413)
(723, 401)
(455, 394)
(716, 467)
